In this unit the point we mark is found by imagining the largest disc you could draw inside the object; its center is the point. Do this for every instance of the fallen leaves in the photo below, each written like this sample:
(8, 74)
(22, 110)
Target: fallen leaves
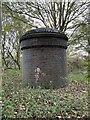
(22, 102)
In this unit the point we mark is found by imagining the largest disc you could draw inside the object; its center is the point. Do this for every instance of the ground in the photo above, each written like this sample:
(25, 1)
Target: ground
(68, 102)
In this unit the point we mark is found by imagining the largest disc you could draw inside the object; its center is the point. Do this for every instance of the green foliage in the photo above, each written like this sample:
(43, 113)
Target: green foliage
(14, 26)
(76, 63)
(7, 27)
(81, 38)
(19, 102)
(78, 75)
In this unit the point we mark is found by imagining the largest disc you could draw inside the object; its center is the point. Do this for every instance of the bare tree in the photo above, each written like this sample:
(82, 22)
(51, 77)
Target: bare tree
(58, 15)
(62, 15)
(88, 40)
(12, 30)
(0, 56)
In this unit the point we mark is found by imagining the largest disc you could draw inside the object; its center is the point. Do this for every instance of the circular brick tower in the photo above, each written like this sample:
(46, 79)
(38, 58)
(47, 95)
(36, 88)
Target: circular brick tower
(44, 58)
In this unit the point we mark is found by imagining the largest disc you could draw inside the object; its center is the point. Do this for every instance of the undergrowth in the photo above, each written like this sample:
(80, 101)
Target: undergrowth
(26, 102)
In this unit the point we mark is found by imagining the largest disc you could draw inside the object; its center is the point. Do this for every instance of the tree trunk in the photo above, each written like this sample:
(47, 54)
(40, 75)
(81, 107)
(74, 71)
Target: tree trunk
(89, 58)
(0, 53)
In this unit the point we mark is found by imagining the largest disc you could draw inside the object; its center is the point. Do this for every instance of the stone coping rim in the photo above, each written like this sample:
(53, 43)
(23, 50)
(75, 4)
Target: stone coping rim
(43, 34)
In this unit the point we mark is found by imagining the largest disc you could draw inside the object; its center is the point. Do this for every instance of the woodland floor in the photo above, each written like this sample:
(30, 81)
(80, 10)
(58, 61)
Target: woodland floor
(68, 102)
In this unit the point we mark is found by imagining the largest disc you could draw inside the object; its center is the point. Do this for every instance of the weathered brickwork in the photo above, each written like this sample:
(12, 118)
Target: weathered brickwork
(44, 61)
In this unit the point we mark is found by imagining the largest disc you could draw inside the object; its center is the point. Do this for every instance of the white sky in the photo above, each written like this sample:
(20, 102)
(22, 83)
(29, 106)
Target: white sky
(37, 22)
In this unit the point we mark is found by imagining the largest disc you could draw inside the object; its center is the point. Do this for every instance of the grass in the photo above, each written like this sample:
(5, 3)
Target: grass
(78, 76)
(19, 102)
